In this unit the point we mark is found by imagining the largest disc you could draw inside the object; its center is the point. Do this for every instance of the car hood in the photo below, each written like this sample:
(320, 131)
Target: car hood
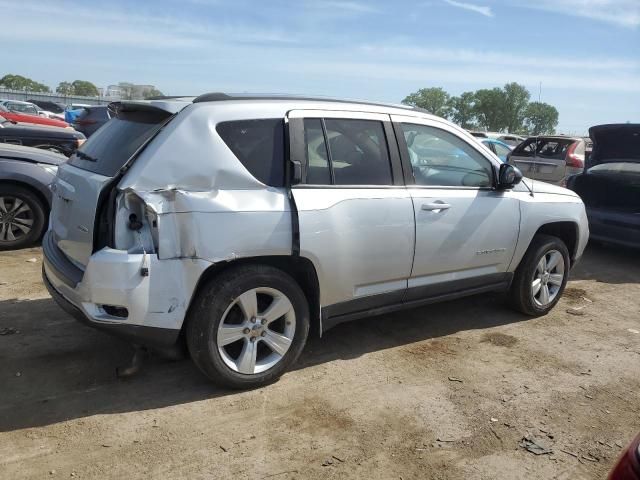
(543, 187)
(30, 155)
(23, 130)
(614, 143)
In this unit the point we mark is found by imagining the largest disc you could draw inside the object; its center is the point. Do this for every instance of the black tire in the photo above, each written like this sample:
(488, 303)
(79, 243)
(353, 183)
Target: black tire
(207, 312)
(520, 295)
(38, 216)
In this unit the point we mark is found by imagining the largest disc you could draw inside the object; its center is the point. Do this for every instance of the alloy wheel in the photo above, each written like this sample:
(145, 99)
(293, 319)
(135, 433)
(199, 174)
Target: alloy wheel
(547, 278)
(16, 219)
(256, 330)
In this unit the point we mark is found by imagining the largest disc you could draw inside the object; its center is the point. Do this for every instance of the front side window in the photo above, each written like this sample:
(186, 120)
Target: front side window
(346, 152)
(439, 158)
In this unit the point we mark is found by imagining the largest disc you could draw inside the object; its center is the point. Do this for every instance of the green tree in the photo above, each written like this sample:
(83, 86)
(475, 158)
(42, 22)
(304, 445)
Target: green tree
(18, 82)
(433, 100)
(84, 88)
(462, 111)
(489, 108)
(516, 99)
(153, 92)
(64, 88)
(540, 118)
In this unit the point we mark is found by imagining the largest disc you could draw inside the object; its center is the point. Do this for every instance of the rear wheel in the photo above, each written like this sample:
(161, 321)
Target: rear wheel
(541, 276)
(22, 217)
(247, 326)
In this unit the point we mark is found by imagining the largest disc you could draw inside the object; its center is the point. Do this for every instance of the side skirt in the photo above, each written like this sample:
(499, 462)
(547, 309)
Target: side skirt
(333, 315)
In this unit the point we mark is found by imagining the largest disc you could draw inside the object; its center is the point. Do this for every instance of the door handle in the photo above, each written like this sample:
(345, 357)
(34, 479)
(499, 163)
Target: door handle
(435, 207)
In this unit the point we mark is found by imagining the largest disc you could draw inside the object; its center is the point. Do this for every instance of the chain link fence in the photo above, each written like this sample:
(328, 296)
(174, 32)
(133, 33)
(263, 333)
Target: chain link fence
(6, 94)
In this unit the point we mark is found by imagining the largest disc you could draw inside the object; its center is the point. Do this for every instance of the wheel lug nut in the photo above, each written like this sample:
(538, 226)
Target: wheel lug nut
(264, 321)
(263, 334)
(253, 339)
(246, 330)
(253, 319)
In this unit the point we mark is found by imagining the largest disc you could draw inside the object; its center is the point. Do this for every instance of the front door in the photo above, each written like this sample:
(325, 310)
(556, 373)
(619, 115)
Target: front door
(355, 216)
(466, 231)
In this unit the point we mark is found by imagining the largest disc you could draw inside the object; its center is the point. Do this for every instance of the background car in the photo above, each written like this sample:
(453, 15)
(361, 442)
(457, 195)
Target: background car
(54, 108)
(61, 140)
(511, 140)
(628, 465)
(501, 149)
(25, 198)
(91, 119)
(508, 138)
(610, 184)
(549, 158)
(24, 112)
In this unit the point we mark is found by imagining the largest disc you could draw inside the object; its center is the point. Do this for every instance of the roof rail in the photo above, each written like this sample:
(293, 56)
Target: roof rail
(219, 96)
(168, 97)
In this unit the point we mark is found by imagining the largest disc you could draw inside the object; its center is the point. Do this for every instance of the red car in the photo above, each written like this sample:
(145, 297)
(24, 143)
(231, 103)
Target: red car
(628, 466)
(14, 115)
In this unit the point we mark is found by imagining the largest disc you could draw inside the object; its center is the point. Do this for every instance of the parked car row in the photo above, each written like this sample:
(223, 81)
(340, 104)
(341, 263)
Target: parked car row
(83, 118)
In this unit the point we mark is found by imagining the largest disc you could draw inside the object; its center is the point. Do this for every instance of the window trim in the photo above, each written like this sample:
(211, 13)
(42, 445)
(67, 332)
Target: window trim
(406, 161)
(297, 147)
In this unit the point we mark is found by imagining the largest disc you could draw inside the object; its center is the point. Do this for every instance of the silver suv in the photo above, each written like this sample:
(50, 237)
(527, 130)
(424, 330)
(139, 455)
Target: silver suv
(240, 224)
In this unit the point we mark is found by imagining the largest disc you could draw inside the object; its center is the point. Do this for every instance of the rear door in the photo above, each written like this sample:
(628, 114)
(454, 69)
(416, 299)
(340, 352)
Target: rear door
(78, 186)
(542, 158)
(355, 215)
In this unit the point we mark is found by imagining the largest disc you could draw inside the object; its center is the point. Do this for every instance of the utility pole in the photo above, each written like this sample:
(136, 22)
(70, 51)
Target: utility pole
(539, 92)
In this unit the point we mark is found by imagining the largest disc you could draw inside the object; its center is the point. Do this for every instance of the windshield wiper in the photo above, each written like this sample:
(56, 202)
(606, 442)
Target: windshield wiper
(84, 156)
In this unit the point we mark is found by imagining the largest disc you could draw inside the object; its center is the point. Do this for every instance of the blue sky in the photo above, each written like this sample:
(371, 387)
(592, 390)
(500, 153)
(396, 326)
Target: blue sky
(586, 53)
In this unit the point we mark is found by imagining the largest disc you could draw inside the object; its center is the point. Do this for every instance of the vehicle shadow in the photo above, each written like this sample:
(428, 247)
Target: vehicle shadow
(608, 264)
(56, 369)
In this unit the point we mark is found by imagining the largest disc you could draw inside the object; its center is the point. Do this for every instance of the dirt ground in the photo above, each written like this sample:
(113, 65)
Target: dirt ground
(443, 392)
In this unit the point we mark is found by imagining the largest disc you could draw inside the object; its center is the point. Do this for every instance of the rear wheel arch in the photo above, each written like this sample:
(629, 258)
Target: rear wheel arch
(300, 268)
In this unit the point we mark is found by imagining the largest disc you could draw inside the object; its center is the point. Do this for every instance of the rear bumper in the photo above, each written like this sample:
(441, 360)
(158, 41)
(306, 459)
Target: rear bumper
(138, 334)
(614, 227)
(155, 304)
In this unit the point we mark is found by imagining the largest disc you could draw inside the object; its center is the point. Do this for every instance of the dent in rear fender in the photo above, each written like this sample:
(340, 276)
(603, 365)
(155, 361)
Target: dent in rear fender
(542, 209)
(160, 299)
(221, 225)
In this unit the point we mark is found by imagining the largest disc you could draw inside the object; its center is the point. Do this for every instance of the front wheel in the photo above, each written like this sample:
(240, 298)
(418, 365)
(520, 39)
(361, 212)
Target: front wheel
(541, 276)
(247, 326)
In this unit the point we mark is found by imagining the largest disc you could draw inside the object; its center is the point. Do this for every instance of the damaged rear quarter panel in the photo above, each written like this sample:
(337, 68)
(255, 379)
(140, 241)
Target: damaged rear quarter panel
(209, 206)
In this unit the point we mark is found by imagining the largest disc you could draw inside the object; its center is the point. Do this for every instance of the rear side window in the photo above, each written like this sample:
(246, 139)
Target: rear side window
(259, 145)
(110, 147)
(346, 152)
(551, 148)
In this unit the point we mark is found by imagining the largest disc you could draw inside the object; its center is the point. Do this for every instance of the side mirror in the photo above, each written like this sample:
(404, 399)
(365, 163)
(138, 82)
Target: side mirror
(296, 172)
(508, 176)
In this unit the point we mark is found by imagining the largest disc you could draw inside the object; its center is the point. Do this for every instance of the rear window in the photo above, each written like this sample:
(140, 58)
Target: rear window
(259, 145)
(551, 148)
(110, 147)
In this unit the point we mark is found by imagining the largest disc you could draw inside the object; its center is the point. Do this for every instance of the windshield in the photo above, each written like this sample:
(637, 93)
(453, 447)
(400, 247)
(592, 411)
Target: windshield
(113, 144)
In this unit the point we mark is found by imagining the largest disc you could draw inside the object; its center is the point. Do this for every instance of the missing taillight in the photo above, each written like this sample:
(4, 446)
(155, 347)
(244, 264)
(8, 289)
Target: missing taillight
(136, 225)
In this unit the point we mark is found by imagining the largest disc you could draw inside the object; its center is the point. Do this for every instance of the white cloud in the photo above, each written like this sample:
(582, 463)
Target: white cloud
(127, 28)
(486, 11)
(349, 6)
(624, 13)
